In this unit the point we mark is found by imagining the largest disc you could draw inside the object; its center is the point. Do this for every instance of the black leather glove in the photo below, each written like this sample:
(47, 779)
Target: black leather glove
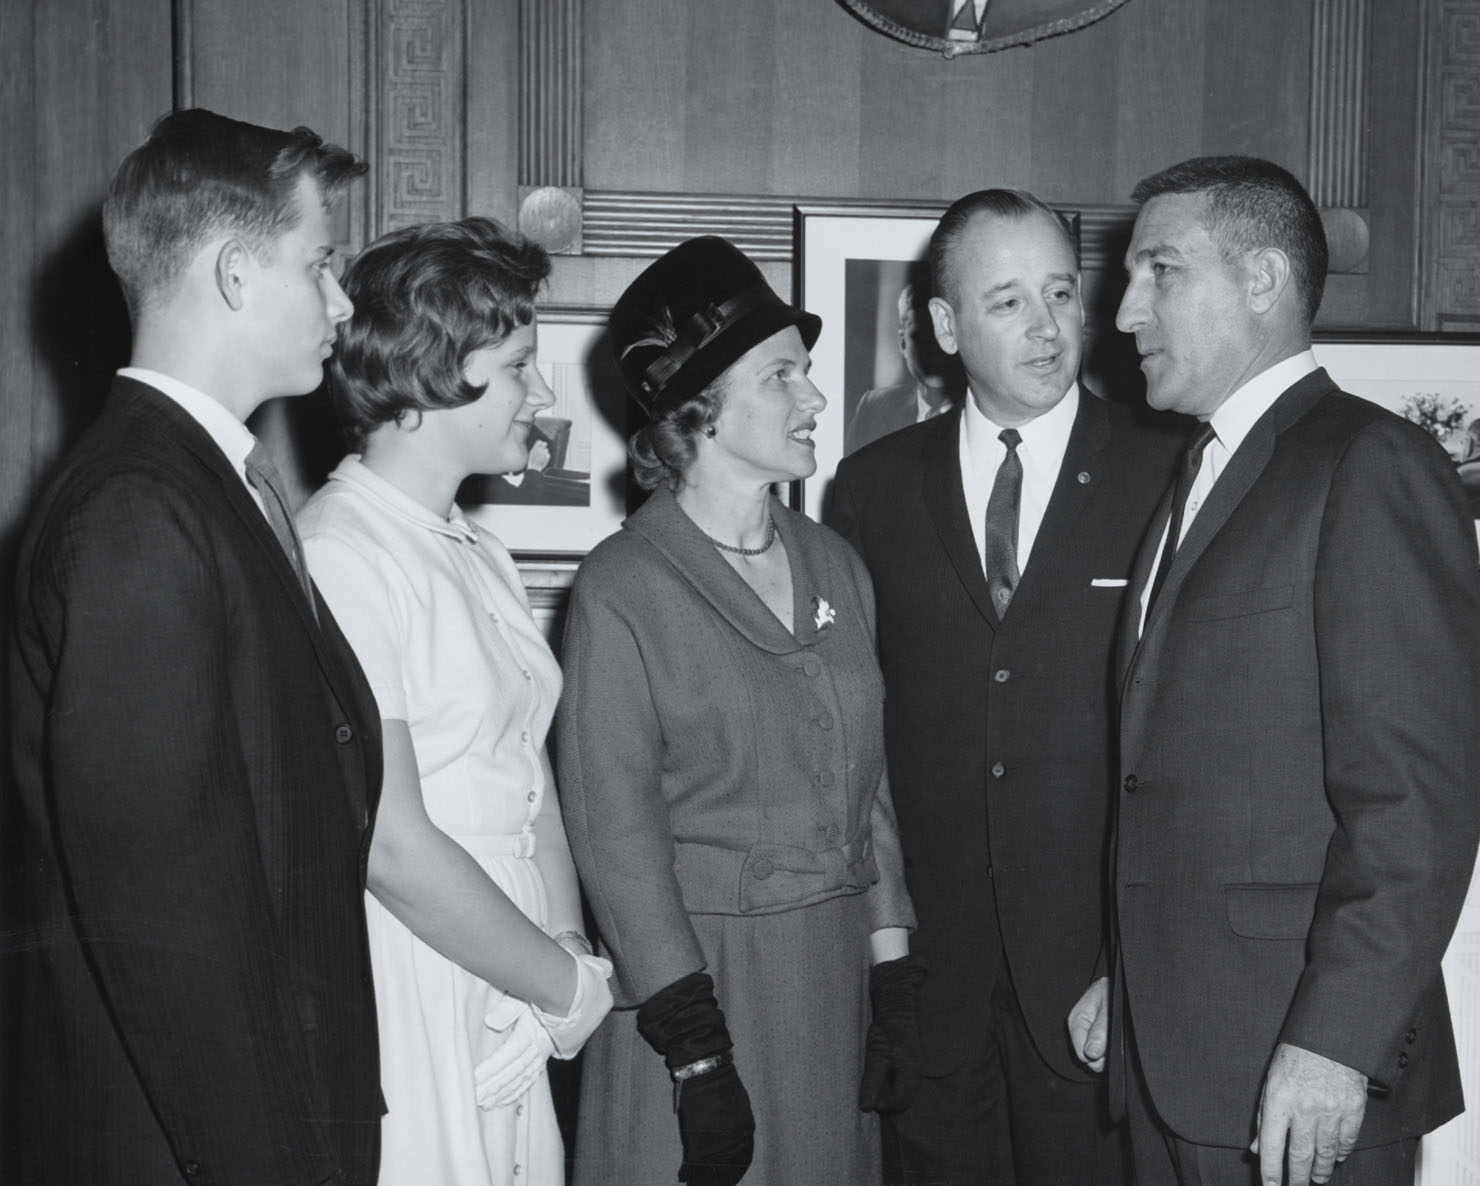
(684, 1024)
(893, 1057)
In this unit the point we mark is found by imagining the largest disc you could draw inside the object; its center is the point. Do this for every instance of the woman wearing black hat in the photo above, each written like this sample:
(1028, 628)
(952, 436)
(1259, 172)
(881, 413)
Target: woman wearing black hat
(722, 770)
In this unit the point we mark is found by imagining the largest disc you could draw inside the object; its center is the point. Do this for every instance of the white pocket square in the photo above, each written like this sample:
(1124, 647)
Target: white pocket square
(1108, 583)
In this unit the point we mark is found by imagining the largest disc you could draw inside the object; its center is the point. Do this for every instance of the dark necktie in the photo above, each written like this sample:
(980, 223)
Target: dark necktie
(263, 476)
(999, 545)
(1191, 464)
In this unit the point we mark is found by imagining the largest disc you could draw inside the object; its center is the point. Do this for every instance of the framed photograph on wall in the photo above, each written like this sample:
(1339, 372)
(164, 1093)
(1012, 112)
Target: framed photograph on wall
(1430, 379)
(575, 491)
(853, 265)
(861, 267)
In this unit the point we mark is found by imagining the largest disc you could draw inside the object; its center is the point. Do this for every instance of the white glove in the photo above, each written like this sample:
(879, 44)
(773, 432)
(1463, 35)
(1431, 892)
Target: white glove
(593, 1000)
(506, 1074)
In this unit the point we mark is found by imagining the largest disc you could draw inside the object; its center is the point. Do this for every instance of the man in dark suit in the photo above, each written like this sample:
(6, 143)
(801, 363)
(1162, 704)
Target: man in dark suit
(926, 392)
(1300, 726)
(198, 756)
(997, 616)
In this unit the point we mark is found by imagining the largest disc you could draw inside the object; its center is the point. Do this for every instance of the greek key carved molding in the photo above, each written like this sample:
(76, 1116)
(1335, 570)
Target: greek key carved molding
(1452, 225)
(417, 140)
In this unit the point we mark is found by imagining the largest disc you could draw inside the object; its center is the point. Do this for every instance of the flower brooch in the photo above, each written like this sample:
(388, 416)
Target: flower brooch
(823, 615)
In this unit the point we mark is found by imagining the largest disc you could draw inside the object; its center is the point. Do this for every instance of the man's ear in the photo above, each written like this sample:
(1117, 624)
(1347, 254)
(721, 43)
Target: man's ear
(943, 317)
(232, 258)
(1268, 276)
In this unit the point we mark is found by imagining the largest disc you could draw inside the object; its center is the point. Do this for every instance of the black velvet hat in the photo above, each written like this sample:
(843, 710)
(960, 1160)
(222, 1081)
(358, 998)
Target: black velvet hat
(690, 315)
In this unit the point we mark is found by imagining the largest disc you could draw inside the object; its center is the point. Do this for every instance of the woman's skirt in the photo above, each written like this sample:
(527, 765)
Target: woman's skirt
(794, 989)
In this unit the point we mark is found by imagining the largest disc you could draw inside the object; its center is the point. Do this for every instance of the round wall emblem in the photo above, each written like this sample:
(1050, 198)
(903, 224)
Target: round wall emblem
(955, 27)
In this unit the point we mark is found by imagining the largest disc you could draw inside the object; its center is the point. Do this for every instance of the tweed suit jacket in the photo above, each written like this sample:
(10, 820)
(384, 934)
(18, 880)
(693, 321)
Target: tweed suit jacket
(998, 731)
(1300, 749)
(186, 979)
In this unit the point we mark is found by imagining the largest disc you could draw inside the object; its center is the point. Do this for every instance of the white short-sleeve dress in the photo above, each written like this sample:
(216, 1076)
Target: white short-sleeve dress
(437, 616)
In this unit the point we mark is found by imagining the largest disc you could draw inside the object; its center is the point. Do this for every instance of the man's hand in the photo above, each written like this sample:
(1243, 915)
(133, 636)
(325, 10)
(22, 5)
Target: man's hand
(1318, 1104)
(1089, 1024)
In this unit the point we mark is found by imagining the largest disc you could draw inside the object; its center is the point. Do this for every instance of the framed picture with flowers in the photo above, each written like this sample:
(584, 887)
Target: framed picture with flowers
(1430, 379)
(575, 491)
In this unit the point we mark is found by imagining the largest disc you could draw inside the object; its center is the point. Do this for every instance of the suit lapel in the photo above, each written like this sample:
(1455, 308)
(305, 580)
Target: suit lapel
(1128, 637)
(663, 523)
(172, 425)
(1242, 471)
(940, 459)
(1081, 473)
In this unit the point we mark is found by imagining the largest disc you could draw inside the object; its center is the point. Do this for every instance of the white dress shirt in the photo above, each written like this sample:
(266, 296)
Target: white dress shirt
(1231, 422)
(1045, 440)
(229, 433)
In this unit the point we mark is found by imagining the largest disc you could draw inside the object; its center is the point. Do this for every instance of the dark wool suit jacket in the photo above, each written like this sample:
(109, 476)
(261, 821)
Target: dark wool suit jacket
(186, 977)
(1300, 749)
(997, 732)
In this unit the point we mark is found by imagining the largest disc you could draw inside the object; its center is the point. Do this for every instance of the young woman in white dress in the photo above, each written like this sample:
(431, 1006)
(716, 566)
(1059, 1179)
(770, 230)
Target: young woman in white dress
(481, 967)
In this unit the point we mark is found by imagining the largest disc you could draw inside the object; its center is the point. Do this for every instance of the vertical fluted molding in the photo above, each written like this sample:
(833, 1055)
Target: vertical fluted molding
(550, 132)
(182, 39)
(1340, 57)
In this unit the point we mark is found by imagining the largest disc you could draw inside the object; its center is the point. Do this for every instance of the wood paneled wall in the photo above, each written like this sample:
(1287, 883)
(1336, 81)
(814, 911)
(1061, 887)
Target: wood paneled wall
(81, 82)
(664, 99)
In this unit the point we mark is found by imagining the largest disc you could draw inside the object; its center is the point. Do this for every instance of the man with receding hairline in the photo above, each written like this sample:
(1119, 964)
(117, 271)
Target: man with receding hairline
(999, 538)
(1299, 701)
(197, 752)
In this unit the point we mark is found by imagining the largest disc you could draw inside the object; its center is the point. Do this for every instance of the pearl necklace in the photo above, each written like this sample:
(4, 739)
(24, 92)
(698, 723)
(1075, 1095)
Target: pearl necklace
(770, 539)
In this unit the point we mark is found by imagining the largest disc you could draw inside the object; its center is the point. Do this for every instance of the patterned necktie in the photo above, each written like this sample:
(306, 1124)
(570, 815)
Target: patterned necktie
(1191, 464)
(263, 476)
(999, 544)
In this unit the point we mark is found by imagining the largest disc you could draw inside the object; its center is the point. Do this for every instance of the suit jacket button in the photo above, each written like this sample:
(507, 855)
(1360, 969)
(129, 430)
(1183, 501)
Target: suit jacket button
(343, 734)
(1412, 1037)
(1402, 1059)
(762, 869)
(1001, 675)
(998, 770)
(1131, 783)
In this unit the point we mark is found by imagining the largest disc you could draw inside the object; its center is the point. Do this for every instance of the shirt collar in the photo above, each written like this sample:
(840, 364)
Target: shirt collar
(1049, 431)
(229, 433)
(924, 409)
(1236, 416)
(354, 472)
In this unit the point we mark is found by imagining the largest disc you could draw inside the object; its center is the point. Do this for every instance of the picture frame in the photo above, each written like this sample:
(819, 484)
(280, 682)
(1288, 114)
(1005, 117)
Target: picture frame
(850, 261)
(1430, 379)
(577, 492)
(845, 256)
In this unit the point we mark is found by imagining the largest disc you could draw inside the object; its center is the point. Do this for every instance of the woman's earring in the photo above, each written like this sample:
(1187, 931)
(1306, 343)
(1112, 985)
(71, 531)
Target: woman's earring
(709, 431)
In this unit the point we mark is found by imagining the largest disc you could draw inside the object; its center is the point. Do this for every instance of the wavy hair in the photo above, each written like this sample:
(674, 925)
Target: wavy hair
(663, 449)
(426, 297)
